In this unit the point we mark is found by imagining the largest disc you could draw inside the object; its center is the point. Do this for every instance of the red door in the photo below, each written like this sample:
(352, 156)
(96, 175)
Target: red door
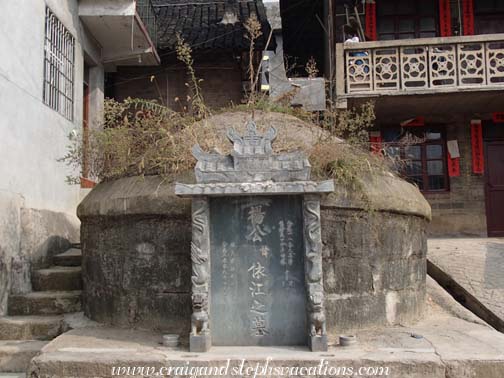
(494, 160)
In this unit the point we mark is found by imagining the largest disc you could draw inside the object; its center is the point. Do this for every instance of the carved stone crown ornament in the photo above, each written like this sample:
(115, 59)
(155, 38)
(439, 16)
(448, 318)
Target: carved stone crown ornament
(252, 169)
(252, 160)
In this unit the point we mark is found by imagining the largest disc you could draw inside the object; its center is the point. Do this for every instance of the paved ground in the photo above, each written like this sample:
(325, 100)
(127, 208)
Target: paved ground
(477, 266)
(449, 343)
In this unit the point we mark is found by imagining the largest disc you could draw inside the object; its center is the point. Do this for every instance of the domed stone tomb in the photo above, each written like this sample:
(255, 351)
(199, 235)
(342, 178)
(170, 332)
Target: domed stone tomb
(136, 240)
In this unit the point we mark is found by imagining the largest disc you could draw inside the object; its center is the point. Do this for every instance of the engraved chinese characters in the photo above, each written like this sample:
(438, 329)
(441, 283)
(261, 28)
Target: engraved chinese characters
(259, 297)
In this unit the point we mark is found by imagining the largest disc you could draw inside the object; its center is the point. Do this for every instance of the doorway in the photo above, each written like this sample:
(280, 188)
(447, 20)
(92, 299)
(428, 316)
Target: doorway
(494, 187)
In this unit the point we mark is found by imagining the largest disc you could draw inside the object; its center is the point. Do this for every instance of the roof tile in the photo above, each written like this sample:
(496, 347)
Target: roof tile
(198, 22)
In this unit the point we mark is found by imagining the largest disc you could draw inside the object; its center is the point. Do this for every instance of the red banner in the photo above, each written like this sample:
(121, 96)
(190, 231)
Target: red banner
(478, 160)
(453, 166)
(371, 34)
(375, 142)
(468, 17)
(498, 117)
(445, 18)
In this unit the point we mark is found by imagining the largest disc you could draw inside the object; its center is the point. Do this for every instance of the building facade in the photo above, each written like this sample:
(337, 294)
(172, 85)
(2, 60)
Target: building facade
(435, 72)
(55, 55)
(216, 33)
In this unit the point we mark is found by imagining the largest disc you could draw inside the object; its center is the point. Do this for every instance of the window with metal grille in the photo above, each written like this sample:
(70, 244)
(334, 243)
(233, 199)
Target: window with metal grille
(59, 57)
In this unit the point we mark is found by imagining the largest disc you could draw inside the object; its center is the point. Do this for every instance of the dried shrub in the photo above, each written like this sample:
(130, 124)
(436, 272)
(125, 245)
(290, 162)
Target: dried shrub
(195, 97)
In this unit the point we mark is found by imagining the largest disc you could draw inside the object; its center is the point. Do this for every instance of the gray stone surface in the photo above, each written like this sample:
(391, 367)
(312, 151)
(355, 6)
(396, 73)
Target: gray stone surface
(45, 303)
(477, 266)
(374, 267)
(258, 291)
(31, 327)
(436, 294)
(72, 257)
(44, 233)
(137, 271)
(15, 356)
(57, 278)
(364, 243)
(254, 188)
(10, 235)
(252, 160)
(447, 348)
(310, 93)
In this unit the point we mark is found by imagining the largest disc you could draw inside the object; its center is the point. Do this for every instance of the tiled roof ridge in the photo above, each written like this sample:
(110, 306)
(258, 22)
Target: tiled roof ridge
(199, 22)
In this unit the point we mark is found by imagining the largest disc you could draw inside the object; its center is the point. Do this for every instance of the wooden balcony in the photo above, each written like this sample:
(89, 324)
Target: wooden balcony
(420, 66)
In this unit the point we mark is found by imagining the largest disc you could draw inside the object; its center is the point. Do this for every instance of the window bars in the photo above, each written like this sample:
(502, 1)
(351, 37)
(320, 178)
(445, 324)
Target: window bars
(59, 59)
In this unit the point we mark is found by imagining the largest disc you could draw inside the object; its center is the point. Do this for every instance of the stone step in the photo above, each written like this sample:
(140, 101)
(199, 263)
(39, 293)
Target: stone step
(57, 278)
(31, 327)
(72, 257)
(15, 355)
(45, 303)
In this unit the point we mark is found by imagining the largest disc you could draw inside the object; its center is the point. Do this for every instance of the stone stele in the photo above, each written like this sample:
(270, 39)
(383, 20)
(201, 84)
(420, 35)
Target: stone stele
(256, 247)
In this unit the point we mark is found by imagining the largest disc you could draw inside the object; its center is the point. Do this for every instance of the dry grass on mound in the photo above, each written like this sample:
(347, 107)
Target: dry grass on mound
(151, 141)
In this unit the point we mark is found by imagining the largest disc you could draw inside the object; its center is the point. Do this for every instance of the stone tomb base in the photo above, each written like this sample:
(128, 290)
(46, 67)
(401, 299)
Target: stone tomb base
(438, 347)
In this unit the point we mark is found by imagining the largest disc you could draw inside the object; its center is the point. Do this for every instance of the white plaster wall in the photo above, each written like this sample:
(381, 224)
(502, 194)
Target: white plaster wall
(32, 135)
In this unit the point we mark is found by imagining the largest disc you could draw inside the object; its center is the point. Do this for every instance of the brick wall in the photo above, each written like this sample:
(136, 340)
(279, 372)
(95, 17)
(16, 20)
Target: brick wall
(221, 85)
(461, 211)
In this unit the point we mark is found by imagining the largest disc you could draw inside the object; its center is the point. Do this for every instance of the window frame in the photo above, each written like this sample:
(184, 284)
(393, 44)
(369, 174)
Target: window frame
(396, 18)
(59, 66)
(425, 189)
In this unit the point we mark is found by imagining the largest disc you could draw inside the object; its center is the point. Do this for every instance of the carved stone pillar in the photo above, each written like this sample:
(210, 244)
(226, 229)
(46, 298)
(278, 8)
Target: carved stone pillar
(200, 338)
(313, 273)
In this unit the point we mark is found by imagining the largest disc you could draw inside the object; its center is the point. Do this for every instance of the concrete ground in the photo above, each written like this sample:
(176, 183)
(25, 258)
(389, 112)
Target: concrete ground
(473, 269)
(449, 343)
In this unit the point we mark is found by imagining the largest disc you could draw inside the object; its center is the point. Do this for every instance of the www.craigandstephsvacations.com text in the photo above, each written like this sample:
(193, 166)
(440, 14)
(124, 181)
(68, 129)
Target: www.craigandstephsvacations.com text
(253, 369)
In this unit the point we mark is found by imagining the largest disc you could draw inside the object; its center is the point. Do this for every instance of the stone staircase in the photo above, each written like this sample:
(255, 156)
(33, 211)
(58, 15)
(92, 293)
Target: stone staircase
(36, 318)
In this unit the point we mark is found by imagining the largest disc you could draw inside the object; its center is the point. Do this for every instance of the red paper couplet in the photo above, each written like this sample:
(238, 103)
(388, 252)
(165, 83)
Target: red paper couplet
(371, 20)
(468, 17)
(453, 166)
(445, 18)
(375, 141)
(478, 162)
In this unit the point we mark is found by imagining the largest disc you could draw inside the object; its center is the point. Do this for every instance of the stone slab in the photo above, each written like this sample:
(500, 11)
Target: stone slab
(258, 294)
(45, 303)
(474, 267)
(254, 188)
(30, 327)
(57, 278)
(441, 346)
(15, 355)
(200, 343)
(72, 257)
